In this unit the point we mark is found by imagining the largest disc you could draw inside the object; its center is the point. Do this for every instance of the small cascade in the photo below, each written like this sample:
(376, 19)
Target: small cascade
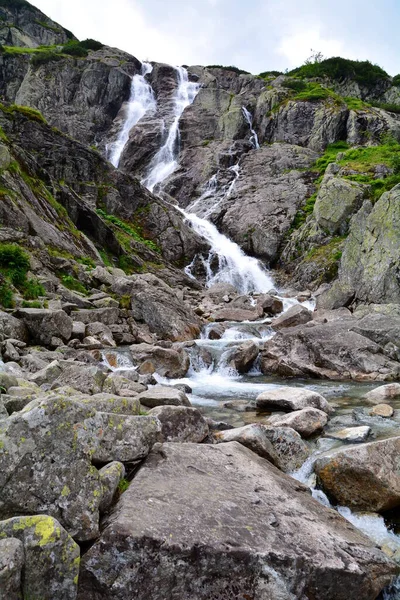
(254, 137)
(142, 101)
(244, 272)
(236, 171)
(165, 161)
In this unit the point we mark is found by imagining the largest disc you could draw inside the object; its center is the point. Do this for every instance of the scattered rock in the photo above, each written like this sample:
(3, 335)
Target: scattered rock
(382, 410)
(306, 421)
(351, 434)
(163, 396)
(296, 315)
(244, 356)
(167, 362)
(110, 476)
(181, 423)
(12, 559)
(44, 324)
(290, 398)
(384, 392)
(81, 377)
(271, 306)
(364, 477)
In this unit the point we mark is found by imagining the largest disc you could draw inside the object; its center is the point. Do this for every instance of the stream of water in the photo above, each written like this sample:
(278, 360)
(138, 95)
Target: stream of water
(213, 381)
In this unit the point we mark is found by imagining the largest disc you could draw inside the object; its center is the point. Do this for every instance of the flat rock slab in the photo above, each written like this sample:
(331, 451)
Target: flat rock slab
(364, 477)
(382, 410)
(163, 396)
(351, 434)
(383, 393)
(204, 521)
(290, 398)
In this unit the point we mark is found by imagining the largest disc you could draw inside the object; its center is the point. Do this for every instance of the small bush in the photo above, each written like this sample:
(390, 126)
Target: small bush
(90, 44)
(74, 48)
(394, 108)
(33, 289)
(315, 93)
(356, 104)
(14, 264)
(123, 485)
(339, 69)
(270, 74)
(298, 85)
(34, 304)
(72, 284)
(42, 58)
(396, 80)
(6, 295)
(125, 302)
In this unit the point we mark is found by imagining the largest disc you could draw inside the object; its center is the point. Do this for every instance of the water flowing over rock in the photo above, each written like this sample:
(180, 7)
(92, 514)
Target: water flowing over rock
(193, 554)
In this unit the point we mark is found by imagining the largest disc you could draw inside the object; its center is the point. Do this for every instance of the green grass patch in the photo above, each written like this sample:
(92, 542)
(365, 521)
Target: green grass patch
(356, 103)
(328, 257)
(314, 92)
(72, 283)
(31, 304)
(340, 69)
(270, 74)
(298, 85)
(32, 289)
(133, 231)
(394, 108)
(6, 295)
(27, 111)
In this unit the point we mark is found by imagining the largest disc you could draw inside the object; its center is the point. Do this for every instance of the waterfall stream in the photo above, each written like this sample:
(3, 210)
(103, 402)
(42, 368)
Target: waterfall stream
(211, 377)
(165, 161)
(141, 102)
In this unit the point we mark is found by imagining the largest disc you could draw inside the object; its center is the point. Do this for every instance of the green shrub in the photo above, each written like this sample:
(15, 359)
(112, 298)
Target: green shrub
(72, 284)
(27, 111)
(230, 68)
(14, 263)
(90, 44)
(356, 104)
(123, 485)
(394, 108)
(42, 58)
(129, 228)
(33, 289)
(270, 74)
(6, 295)
(315, 92)
(34, 304)
(74, 48)
(396, 80)
(298, 85)
(339, 69)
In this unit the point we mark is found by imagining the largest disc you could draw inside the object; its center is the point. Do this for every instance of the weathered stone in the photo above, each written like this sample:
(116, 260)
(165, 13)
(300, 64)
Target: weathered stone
(102, 333)
(169, 513)
(78, 330)
(11, 564)
(244, 356)
(382, 410)
(167, 362)
(82, 378)
(10, 327)
(106, 316)
(51, 565)
(7, 381)
(384, 392)
(116, 384)
(48, 374)
(163, 396)
(252, 437)
(296, 315)
(290, 398)
(236, 314)
(181, 423)
(337, 200)
(270, 305)
(110, 476)
(45, 456)
(306, 421)
(44, 324)
(364, 477)
(126, 438)
(351, 434)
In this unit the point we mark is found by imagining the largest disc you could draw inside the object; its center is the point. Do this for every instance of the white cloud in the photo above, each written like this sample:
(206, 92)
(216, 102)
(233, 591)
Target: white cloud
(296, 48)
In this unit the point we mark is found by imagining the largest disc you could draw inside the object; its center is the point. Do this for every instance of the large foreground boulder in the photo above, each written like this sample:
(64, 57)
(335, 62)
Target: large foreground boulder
(167, 362)
(204, 521)
(290, 398)
(365, 477)
(45, 324)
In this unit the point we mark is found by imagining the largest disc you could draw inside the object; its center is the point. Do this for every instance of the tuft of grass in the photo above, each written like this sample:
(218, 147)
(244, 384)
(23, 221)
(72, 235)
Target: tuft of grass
(72, 283)
(132, 230)
(32, 289)
(314, 92)
(34, 304)
(229, 68)
(123, 485)
(6, 295)
(356, 103)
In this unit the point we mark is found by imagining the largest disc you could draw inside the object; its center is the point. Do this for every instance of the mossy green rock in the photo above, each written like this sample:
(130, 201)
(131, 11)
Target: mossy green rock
(371, 257)
(51, 558)
(337, 200)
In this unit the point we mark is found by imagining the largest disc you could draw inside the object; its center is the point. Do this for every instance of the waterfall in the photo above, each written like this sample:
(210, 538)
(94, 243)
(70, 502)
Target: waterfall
(254, 138)
(235, 170)
(234, 266)
(141, 101)
(165, 161)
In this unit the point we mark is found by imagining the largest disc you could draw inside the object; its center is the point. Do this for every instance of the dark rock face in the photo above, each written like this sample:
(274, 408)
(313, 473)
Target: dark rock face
(251, 548)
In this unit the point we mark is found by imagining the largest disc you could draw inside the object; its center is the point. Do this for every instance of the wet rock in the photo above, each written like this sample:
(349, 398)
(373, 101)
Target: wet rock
(351, 434)
(236, 314)
(167, 362)
(110, 476)
(266, 515)
(364, 477)
(271, 306)
(51, 557)
(44, 324)
(181, 423)
(384, 392)
(288, 398)
(244, 356)
(12, 560)
(163, 396)
(82, 378)
(296, 315)
(45, 464)
(252, 437)
(126, 438)
(382, 410)
(306, 421)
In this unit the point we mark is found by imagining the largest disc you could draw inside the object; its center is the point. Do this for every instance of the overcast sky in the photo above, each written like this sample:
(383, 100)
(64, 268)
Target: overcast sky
(255, 35)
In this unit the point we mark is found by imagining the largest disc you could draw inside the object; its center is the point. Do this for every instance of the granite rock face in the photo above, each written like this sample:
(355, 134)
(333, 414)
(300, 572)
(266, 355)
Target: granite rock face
(178, 521)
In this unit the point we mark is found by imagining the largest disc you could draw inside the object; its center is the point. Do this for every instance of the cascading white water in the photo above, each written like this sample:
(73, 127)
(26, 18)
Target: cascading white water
(142, 101)
(235, 267)
(165, 161)
(254, 138)
(236, 171)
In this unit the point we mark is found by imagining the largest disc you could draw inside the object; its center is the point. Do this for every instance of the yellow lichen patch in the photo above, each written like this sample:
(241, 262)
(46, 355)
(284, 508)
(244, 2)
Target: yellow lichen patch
(65, 491)
(45, 528)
